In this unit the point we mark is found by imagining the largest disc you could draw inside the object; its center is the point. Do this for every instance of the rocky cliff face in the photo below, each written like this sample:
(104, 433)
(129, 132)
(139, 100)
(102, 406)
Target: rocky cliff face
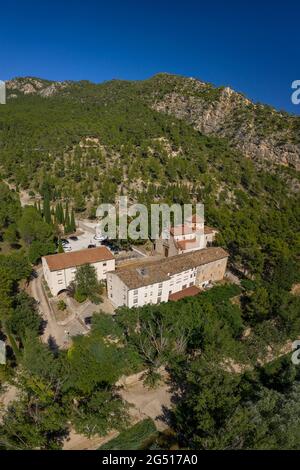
(33, 86)
(259, 131)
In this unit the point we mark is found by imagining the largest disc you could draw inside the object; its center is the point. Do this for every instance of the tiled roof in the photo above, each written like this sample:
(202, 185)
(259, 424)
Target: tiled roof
(208, 230)
(78, 258)
(196, 219)
(188, 244)
(181, 230)
(188, 292)
(147, 273)
(188, 229)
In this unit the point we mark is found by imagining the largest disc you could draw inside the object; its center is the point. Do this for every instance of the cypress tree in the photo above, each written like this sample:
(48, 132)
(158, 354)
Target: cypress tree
(73, 223)
(60, 247)
(57, 214)
(61, 214)
(67, 227)
(46, 208)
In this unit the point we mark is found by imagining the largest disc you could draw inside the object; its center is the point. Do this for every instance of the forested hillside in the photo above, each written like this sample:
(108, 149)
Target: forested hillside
(73, 145)
(87, 143)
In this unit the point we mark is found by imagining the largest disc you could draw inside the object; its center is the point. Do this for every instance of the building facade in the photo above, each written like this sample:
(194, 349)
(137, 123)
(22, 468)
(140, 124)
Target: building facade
(152, 282)
(191, 236)
(60, 269)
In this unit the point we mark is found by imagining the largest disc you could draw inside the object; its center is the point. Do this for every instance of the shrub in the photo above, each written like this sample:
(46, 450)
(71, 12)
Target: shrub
(133, 438)
(79, 296)
(61, 305)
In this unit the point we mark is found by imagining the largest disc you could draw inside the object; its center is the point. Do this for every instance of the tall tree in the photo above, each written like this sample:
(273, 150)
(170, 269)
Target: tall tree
(46, 208)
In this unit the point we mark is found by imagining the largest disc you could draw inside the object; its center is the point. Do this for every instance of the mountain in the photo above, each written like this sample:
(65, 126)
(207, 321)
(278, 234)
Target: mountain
(32, 85)
(258, 131)
(167, 139)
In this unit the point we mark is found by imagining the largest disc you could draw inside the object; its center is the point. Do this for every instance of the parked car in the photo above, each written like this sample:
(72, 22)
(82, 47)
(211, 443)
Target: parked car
(73, 238)
(67, 248)
(99, 237)
(91, 246)
(88, 321)
(64, 241)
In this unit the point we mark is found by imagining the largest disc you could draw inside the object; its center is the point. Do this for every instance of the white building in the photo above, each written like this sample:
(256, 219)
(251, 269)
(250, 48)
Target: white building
(59, 269)
(152, 282)
(191, 236)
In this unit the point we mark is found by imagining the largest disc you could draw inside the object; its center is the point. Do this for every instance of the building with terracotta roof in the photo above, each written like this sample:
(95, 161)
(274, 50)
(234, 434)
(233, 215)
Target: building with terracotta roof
(60, 269)
(152, 282)
(191, 236)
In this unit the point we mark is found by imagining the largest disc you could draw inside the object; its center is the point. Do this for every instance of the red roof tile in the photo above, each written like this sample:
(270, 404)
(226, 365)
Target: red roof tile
(181, 230)
(188, 292)
(188, 244)
(78, 258)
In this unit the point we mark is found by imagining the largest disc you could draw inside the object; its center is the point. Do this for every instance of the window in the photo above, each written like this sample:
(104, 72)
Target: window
(135, 301)
(146, 294)
(184, 287)
(191, 284)
(105, 264)
(159, 292)
(158, 300)
(160, 285)
(135, 292)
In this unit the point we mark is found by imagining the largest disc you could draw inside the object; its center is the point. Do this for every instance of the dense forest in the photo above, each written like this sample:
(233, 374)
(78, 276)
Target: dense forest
(84, 145)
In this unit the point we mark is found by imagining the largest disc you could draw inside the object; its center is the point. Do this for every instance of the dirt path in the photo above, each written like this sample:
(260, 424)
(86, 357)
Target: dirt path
(146, 403)
(237, 368)
(80, 442)
(52, 329)
(10, 394)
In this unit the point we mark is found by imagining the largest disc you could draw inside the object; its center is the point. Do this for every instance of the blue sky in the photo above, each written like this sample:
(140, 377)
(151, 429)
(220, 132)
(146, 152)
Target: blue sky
(252, 46)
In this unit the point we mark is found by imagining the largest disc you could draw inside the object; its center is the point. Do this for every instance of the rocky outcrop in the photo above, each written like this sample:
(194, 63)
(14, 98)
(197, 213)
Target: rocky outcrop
(258, 131)
(34, 86)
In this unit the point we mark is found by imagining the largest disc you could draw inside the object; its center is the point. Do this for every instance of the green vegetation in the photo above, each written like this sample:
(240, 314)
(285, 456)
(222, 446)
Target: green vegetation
(59, 388)
(221, 410)
(86, 284)
(134, 438)
(86, 145)
(61, 305)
